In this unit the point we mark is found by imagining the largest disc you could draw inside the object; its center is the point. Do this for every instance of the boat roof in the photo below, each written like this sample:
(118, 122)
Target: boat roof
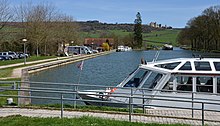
(188, 66)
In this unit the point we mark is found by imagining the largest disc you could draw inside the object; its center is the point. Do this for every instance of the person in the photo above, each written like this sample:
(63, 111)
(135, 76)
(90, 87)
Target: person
(143, 61)
(134, 83)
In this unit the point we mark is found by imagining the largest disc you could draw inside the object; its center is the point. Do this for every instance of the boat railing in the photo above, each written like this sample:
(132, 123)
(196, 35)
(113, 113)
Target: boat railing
(60, 92)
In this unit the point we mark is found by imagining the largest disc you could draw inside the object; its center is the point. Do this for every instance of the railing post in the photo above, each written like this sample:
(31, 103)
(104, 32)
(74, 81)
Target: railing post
(130, 109)
(19, 93)
(131, 100)
(14, 85)
(75, 97)
(143, 104)
(61, 98)
(192, 104)
(202, 114)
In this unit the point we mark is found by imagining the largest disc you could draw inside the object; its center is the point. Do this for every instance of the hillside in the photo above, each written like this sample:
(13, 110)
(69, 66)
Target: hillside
(152, 36)
(95, 25)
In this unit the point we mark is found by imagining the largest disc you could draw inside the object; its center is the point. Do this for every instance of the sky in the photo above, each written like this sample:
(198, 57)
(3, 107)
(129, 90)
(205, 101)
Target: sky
(175, 13)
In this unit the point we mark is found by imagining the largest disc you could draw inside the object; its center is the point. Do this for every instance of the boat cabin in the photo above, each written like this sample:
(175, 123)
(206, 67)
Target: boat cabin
(192, 74)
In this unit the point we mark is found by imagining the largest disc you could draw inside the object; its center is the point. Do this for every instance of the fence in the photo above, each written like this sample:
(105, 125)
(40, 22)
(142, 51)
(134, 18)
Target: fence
(62, 92)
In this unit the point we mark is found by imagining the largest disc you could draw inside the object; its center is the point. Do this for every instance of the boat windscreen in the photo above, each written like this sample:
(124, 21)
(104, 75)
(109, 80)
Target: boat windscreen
(152, 80)
(137, 78)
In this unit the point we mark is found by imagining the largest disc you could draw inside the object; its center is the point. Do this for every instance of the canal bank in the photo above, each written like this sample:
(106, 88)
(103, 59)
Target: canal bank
(36, 66)
(48, 65)
(24, 72)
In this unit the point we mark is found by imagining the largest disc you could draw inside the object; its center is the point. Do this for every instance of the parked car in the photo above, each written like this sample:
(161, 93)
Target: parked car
(95, 51)
(21, 55)
(9, 55)
(2, 58)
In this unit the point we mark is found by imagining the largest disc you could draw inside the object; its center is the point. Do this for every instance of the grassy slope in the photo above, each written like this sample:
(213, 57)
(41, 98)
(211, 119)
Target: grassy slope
(160, 37)
(167, 35)
(82, 121)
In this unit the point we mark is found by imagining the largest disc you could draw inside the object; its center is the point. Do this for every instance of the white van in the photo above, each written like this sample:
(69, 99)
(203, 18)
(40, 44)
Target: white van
(75, 50)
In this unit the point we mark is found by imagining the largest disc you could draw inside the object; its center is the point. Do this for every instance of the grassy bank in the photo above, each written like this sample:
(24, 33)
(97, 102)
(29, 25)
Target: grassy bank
(3, 100)
(158, 38)
(5, 72)
(82, 121)
(32, 58)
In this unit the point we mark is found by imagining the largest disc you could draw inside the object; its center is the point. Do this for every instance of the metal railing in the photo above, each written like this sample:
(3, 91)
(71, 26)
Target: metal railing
(69, 92)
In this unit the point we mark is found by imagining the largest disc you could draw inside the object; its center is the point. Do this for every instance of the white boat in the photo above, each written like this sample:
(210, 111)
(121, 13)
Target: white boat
(167, 47)
(122, 48)
(172, 80)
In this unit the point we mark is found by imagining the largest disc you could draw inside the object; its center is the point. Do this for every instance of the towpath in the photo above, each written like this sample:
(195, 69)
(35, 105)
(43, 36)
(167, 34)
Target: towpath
(116, 116)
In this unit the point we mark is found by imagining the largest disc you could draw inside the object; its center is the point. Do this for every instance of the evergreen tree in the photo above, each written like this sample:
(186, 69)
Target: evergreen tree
(137, 43)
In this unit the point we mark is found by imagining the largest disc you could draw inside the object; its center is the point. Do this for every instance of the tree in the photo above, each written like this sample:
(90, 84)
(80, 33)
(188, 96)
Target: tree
(105, 46)
(203, 32)
(5, 16)
(45, 28)
(137, 43)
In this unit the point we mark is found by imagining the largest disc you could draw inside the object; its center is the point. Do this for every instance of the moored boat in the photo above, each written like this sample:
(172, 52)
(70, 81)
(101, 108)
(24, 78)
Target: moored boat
(171, 79)
(122, 48)
(167, 47)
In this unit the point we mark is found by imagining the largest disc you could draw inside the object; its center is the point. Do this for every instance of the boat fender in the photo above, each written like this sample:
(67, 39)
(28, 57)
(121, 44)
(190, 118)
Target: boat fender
(111, 91)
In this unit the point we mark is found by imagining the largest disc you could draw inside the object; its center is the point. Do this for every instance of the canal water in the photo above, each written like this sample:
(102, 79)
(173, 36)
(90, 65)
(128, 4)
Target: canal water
(108, 70)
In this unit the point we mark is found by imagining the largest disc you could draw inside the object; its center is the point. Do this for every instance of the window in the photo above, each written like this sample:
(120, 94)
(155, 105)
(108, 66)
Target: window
(218, 85)
(186, 66)
(152, 80)
(202, 66)
(137, 78)
(169, 84)
(184, 83)
(205, 84)
(217, 66)
(169, 66)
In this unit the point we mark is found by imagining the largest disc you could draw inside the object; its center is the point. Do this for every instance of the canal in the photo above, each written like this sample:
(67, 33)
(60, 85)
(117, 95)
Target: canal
(108, 70)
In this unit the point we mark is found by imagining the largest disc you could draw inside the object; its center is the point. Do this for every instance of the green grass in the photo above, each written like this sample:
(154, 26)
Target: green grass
(32, 58)
(5, 72)
(82, 121)
(3, 100)
(98, 33)
(163, 36)
(87, 108)
(158, 38)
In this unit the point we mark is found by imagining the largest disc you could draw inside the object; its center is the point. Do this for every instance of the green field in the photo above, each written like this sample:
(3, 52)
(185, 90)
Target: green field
(163, 36)
(82, 121)
(156, 38)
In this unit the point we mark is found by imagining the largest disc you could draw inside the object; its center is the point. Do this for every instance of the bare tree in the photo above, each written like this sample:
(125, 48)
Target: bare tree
(5, 13)
(45, 27)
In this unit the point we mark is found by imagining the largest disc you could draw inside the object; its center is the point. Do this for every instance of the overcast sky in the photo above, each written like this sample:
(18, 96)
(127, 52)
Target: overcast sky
(175, 13)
